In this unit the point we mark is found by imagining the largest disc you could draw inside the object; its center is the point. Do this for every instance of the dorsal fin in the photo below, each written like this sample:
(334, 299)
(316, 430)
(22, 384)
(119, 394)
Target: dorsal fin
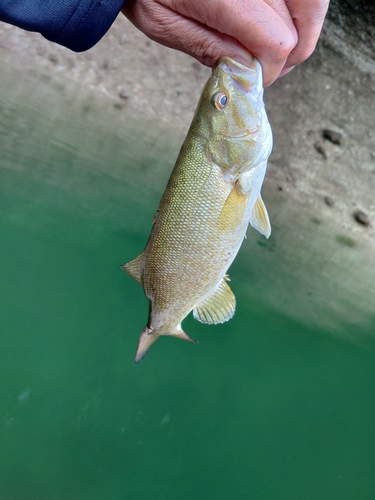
(259, 218)
(134, 268)
(218, 307)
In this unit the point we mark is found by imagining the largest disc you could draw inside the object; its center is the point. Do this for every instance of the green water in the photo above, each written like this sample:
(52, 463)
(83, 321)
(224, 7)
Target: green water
(270, 405)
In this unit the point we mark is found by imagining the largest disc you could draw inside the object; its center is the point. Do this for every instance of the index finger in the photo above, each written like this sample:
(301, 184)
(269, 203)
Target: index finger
(262, 28)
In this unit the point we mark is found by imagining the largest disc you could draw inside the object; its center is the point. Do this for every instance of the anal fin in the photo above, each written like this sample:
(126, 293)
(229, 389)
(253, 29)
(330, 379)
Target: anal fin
(259, 218)
(134, 268)
(218, 307)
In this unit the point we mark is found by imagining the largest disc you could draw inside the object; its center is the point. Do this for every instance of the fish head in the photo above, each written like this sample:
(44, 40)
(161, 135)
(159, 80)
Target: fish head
(232, 114)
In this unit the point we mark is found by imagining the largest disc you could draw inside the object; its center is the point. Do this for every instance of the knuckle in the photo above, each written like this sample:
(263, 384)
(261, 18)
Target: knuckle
(208, 52)
(283, 48)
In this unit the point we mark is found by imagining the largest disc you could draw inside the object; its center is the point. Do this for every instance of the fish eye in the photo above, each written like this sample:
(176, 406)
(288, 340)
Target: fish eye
(219, 100)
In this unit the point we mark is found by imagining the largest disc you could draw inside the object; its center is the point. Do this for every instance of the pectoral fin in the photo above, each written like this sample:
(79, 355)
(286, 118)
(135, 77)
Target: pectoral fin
(234, 208)
(134, 268)
(218, 307)
(259, 218)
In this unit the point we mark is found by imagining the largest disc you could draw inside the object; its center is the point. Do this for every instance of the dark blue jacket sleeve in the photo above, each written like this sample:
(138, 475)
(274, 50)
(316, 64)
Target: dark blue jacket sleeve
(76, 24)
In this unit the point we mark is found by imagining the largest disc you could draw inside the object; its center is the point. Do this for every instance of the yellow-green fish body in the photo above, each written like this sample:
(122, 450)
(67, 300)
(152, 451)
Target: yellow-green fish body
(211, 197)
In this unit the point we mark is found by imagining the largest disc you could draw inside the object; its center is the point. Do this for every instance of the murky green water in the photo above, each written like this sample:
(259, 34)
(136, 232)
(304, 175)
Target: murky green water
(271, 405)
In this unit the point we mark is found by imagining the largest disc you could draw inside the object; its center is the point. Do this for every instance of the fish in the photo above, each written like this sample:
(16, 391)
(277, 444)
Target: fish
(213, 194)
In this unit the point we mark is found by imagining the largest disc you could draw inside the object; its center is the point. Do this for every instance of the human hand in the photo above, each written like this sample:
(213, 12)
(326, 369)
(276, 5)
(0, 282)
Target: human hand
(280, 34)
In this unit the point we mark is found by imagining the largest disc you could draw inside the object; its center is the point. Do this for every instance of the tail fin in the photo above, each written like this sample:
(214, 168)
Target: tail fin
(149, 336)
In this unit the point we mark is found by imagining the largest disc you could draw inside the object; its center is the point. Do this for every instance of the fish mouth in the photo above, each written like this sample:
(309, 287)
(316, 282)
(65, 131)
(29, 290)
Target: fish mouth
(230, 64)
(243, 77)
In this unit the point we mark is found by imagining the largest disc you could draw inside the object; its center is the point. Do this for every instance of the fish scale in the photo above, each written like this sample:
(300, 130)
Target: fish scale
(211, 197)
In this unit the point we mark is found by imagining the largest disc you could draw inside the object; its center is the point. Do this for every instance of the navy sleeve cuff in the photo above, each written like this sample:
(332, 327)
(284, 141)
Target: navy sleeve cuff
(76, 24)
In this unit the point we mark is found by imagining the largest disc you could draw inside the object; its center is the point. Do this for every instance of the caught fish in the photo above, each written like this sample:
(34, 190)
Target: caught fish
(213, 193)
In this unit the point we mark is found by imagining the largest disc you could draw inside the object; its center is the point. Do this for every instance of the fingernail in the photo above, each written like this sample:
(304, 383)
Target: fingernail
(285, 71)
(244, 57)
